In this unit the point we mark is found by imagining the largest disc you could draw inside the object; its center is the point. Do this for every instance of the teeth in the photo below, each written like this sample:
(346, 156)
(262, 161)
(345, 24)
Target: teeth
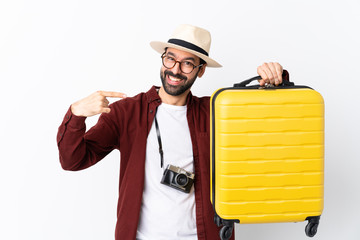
(174, 79)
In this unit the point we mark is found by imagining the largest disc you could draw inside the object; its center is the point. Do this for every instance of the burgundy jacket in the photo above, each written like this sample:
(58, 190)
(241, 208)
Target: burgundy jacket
(126, 128)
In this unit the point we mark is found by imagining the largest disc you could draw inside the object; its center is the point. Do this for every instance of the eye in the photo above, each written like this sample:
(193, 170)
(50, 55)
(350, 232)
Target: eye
(170, 59)
(187, 64)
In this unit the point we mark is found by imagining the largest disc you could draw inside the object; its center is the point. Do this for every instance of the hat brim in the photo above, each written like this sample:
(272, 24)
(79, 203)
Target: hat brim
(160, 48)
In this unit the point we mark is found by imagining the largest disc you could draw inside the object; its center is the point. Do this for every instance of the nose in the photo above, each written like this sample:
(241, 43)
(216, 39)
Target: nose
(176, 69)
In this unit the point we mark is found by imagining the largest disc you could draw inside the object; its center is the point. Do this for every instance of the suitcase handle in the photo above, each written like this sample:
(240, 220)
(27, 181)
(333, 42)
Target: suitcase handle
(246, 82)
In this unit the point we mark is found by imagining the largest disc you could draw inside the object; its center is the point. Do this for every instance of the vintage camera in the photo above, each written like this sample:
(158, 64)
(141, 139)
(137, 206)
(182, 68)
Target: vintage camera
(178, 178)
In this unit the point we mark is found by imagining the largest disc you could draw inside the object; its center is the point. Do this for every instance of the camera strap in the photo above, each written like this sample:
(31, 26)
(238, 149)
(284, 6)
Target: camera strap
(159, 140)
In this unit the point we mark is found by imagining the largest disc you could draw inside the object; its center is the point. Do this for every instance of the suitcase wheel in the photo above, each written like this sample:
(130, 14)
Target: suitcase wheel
(311, 229)
(226, 232)
(312, 226)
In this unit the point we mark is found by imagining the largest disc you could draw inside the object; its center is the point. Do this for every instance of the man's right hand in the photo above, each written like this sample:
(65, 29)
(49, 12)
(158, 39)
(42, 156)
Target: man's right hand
(94, 104)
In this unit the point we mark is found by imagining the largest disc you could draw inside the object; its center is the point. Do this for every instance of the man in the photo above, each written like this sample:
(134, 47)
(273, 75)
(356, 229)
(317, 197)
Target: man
(164, 126)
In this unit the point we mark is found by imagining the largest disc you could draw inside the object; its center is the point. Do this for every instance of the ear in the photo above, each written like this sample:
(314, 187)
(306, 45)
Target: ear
(201, 71)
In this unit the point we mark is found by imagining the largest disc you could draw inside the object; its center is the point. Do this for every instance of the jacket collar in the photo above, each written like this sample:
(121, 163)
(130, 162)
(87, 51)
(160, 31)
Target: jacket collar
(152, 95)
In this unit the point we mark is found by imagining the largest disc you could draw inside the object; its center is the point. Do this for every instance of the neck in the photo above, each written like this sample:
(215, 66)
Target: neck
(173, 100)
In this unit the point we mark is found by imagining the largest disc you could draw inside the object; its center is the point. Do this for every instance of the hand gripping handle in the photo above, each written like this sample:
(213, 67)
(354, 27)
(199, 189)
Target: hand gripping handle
(246, 82)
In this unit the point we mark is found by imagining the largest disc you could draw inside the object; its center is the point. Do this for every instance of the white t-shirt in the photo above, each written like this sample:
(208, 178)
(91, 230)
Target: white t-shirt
(167, 213)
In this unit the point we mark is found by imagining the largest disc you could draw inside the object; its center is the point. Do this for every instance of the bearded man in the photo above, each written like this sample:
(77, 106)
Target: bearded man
(158, 132)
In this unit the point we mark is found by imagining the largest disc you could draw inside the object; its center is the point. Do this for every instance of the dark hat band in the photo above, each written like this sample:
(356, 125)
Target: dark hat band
(188, 45)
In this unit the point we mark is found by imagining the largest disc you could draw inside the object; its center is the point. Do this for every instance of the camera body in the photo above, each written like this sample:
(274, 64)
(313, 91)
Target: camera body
(178, 178)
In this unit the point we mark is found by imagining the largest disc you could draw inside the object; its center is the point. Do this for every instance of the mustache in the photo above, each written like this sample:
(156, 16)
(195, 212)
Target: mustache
(179, 76)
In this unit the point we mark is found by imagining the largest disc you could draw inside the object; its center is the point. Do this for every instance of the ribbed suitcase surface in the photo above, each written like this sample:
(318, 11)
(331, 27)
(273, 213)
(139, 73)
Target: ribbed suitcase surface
(267, 154)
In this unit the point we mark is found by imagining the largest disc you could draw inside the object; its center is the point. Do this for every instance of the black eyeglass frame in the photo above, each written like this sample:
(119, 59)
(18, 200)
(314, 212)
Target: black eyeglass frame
(175, 61)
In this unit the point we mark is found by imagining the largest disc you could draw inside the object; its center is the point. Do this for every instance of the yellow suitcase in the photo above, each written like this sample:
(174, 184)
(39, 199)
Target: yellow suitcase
(267, 155)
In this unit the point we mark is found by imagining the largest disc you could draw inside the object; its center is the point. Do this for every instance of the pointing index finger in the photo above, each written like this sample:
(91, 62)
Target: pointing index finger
(113, 94)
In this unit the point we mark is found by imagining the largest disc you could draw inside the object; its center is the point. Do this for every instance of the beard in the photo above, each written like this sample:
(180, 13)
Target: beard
(176, 90)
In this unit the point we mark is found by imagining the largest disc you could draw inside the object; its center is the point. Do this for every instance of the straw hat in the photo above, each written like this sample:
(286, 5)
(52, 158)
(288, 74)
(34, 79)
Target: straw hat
(191, 39)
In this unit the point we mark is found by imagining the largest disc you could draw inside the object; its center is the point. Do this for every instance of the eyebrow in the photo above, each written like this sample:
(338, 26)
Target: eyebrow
(188, 58)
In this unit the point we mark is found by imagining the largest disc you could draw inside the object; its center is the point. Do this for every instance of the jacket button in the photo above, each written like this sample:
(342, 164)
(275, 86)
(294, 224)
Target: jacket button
(151, 111)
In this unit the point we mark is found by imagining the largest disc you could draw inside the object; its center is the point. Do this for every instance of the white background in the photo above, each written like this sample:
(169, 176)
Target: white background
(53, 53)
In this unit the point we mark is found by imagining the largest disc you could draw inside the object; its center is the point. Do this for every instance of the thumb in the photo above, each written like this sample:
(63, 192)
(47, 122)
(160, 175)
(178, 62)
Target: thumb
(106, 110)
(262, 82)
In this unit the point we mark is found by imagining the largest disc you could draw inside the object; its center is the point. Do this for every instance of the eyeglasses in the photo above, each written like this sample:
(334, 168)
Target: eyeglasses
(185, 66)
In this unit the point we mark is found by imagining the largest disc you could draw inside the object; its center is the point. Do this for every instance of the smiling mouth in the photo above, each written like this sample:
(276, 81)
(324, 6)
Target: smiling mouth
(172, 80)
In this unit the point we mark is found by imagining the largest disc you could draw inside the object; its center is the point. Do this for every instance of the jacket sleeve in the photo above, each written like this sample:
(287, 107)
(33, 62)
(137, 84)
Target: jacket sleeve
(79, 149)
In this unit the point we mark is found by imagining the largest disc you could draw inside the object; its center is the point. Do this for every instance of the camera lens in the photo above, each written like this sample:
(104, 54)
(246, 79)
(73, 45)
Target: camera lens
(181, 179)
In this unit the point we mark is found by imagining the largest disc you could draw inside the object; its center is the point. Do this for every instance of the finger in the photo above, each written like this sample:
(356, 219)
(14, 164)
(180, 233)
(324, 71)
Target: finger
(279, 71)
(105, 110)
(262, 82)
(274, 78)
(113, 94)
(263, 75)
(104, 105)
(106, 102)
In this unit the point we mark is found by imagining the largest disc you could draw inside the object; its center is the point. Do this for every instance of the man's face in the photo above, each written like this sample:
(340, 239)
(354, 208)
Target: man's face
(174, 81)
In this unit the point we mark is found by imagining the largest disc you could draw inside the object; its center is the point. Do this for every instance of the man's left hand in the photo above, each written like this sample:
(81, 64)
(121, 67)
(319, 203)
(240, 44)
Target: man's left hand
(271, 73)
